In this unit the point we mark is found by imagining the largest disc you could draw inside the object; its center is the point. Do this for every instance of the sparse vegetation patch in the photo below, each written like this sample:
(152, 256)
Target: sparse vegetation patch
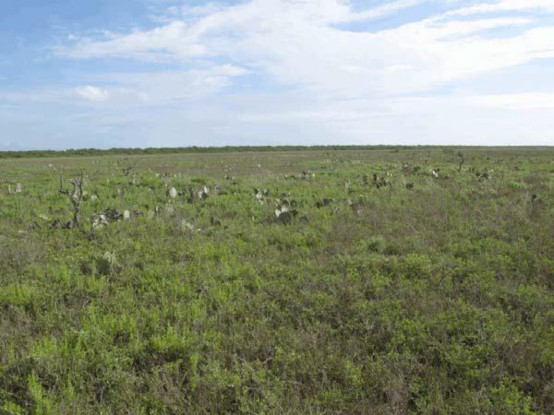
(351, 281)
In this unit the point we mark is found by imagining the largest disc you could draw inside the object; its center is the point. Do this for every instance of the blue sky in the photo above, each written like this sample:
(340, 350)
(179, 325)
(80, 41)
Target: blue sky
(138, 73)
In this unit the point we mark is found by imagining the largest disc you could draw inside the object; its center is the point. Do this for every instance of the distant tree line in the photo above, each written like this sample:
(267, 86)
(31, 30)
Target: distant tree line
(95, 152)
(176, 150)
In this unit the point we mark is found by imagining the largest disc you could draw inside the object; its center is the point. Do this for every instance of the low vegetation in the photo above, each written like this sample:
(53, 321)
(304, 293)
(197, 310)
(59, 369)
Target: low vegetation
(368, 281)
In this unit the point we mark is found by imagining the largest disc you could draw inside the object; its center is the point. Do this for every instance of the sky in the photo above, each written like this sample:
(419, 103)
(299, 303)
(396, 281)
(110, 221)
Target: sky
(177, 73)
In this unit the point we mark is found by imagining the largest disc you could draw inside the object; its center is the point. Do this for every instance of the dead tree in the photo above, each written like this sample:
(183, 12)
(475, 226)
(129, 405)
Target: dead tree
(75, 196)
(460, 160)
(126, 170)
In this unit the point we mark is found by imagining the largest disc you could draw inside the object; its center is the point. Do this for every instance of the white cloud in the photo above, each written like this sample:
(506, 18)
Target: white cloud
(516, 102)
(134, 89)
(92, 93)
(296, 42)
(506, 6)
(316, 79)
(167, 42)
(291, 118)
(157, 88)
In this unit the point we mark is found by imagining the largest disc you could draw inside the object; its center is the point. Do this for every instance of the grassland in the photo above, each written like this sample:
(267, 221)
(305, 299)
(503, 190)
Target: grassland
(407, 292)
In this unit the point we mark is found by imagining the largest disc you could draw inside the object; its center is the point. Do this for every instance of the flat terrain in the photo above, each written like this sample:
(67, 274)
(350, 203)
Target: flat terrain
(391, 281)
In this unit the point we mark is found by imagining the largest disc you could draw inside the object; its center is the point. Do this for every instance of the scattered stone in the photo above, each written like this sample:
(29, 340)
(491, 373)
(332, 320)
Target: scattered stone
(99, 222)
(203, 194)
(103, 219)
(283, 215)
(281, 210)
(172, 193)
(113, 215)
(286, 209)
(126, 215)
(261, 195)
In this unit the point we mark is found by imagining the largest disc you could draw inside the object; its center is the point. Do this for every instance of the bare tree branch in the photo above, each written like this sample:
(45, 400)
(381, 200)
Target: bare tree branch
(75, 196)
